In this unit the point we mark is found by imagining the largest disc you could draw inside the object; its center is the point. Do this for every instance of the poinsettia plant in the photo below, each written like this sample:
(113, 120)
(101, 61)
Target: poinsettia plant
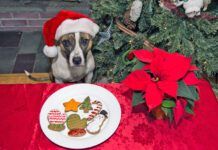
(163, 79)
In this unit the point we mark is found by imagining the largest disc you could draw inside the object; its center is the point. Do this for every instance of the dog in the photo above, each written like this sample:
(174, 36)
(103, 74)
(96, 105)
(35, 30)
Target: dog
(68, 39)
(74, 60)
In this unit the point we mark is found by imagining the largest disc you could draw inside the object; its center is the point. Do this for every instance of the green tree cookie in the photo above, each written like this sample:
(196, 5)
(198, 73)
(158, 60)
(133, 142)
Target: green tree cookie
(86, 105)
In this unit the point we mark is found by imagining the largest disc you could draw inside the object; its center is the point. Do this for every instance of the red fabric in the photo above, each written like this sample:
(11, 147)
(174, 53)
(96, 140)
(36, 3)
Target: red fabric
(19, 124)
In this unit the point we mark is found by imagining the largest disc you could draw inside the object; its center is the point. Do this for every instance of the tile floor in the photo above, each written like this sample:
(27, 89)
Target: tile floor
(22, 51)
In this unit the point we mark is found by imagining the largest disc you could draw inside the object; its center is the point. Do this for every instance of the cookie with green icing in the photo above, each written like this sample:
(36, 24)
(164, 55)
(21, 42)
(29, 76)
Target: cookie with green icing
(86, 105)
(56, 127)
(75, 122)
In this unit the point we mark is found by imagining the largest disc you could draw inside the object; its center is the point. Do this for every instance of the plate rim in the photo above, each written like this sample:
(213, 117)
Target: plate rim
(108, 135)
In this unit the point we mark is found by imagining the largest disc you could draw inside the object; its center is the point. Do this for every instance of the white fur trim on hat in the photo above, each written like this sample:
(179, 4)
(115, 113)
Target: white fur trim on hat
(78, 25)
(50, 51)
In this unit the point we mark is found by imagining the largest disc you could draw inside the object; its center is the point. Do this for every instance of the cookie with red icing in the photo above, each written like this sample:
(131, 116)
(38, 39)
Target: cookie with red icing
(96, 110)
(56, 120)
(94, 127)
(77, 132)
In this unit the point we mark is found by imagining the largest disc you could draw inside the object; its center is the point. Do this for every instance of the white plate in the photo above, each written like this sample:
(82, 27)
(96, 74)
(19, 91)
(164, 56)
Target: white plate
(79, 92)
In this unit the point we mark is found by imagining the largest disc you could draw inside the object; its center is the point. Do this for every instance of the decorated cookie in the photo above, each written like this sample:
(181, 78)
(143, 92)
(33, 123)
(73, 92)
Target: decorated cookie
(86, 105)
(71, 105)
(77, 132)
(96, 110)
(95, 125)
(56, 127)
(56, 120)
(75, 122)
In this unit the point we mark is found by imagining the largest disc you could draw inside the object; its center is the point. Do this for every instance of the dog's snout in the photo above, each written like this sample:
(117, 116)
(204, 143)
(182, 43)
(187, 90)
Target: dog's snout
(77, 60)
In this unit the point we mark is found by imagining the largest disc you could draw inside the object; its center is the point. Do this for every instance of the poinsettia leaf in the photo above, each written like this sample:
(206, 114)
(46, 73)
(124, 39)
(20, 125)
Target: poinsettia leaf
(168, 104)
(137, 98)
(168, 112)
(194, 92)
(185, 91)
(165, 110)
(138, 65)
(191, 102)
(188, 109)
(170, 115)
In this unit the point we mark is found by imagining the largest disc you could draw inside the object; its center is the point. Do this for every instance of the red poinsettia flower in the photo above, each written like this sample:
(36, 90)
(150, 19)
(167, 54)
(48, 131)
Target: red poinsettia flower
(147, 56)
(165, 71)
(190, 79)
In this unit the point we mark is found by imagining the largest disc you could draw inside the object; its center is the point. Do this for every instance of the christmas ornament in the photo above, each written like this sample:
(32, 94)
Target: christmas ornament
(106, 35)
(136, 10)
(132, 15)
(65, 22)
(193, 7)
(129, 23)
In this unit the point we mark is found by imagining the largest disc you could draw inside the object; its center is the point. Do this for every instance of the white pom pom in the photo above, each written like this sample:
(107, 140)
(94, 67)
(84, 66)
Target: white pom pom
(50, 51)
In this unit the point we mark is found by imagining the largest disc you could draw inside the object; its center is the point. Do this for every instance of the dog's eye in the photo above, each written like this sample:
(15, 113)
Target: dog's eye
(66, 43)
(84, 42)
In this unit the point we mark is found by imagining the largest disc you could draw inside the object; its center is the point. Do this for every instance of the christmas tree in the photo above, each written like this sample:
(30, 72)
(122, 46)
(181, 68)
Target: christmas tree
(166, 28)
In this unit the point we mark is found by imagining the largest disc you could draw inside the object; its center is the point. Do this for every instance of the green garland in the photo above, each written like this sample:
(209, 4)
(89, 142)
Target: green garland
(196, 37)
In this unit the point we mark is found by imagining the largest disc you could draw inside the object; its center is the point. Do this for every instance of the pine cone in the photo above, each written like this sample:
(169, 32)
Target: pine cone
(130, 24)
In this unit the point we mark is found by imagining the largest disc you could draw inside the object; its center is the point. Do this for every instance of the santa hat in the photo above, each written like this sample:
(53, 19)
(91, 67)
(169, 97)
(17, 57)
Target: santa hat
(65, 22)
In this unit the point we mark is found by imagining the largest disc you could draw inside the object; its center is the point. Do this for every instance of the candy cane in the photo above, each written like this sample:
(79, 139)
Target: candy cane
(96, 110)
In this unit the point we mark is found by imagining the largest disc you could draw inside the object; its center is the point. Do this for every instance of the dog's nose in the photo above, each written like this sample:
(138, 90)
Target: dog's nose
(77, 60)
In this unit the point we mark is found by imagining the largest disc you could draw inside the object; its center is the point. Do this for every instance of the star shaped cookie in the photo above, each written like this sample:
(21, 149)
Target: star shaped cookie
(71, 105)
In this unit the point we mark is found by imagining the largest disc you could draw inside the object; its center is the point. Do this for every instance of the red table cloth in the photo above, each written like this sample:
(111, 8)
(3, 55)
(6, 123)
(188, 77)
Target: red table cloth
(20, 105)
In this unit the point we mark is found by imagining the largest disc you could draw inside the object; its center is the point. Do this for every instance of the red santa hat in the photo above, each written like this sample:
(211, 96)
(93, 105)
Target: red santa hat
(65, 22)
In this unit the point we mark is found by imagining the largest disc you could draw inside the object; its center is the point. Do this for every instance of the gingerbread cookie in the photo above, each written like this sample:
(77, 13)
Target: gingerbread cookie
(96, 110)
(94, 127)
(75, 122)
(71, 105)
(86, 105)
(56, 120)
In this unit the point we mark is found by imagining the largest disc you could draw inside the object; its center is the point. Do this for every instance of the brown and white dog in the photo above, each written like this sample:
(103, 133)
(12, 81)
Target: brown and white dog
(74, 60)
(68, 42)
